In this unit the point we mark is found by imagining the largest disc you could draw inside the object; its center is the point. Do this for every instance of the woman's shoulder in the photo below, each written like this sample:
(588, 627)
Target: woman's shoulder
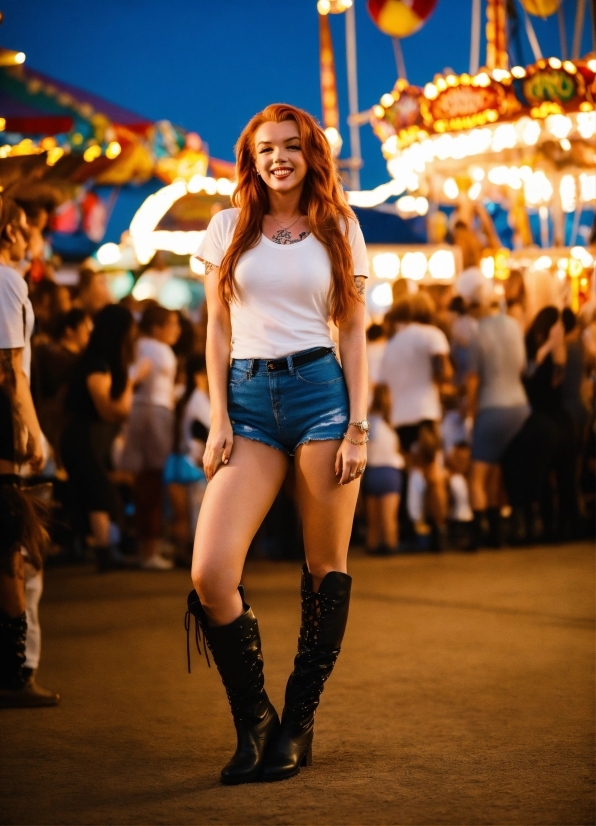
(225, 217)
(352, 224)
(12, 282)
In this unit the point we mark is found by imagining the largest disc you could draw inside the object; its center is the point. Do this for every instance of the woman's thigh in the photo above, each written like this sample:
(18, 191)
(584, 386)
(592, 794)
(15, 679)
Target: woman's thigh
(327, 508)
(235, 503)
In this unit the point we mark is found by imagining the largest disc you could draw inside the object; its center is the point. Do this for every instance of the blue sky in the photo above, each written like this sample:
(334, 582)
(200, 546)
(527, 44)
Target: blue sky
(209, 66)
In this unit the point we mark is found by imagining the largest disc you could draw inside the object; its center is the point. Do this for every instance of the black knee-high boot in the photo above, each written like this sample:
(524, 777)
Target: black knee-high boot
(236, 650)
(13, 637)
(18, 686)
(324, 619)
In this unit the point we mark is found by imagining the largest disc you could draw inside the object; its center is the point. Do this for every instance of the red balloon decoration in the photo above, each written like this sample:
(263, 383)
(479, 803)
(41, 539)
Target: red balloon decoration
(400, 18)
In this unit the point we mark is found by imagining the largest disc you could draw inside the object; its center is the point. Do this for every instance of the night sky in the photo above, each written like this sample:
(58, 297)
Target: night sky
(209, 66)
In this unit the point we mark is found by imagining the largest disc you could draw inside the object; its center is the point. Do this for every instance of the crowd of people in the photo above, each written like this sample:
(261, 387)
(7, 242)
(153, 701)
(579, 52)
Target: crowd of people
(481, 429)
(482, 419)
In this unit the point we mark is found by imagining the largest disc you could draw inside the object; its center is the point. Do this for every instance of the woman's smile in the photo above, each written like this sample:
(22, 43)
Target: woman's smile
(282, 172)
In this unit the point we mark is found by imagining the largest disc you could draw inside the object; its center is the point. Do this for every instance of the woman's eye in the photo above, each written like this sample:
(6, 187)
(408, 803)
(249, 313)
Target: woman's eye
(297, 148)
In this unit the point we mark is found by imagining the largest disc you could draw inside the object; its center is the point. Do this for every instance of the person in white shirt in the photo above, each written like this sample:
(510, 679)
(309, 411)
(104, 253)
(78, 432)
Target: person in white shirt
(22, 533)
(150, 429)
(416, 361)
(284, 261)
(383, 478)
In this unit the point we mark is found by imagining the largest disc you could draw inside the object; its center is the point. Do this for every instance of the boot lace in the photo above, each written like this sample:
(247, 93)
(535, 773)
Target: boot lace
(198, 632)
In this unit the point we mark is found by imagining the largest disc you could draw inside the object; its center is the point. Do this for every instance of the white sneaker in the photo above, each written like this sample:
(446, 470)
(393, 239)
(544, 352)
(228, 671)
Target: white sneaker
(156, 563)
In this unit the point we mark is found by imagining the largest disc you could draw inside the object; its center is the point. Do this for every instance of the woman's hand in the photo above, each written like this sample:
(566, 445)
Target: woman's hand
(350, 462)
(218, 448)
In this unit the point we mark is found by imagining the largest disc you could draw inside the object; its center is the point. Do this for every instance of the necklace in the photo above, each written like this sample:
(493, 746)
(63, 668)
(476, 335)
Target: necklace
(291, 225)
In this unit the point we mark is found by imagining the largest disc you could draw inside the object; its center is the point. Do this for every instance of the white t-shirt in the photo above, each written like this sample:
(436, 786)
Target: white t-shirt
(198, 407)
(383, 446)
(16, 315)
(158, 387)
(407, 370)
(282, 305)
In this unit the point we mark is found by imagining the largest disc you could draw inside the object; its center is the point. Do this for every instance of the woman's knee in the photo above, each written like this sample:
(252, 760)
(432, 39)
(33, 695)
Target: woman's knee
(212, 586)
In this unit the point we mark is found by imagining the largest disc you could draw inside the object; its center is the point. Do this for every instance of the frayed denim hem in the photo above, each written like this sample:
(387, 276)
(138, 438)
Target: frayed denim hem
(262, 442)
(318, 439)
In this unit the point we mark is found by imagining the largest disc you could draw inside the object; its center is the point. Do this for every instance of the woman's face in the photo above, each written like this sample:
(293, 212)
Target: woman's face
(278, 156)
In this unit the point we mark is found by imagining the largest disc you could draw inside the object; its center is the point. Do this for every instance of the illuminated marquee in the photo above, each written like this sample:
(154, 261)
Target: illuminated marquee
(456, 103)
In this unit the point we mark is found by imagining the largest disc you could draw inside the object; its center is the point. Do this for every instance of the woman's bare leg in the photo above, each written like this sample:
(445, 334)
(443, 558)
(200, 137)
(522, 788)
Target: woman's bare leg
(327, 509)
(478, 480)
(100, 527)
(388, 507)
(236, 502)
(493, 486)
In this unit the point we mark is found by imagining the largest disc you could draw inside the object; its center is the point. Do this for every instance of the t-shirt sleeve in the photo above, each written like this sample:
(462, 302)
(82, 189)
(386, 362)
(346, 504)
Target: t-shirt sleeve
(214, 244)
(438, 343)
(358, 246)
(13, 295)
(96, 365)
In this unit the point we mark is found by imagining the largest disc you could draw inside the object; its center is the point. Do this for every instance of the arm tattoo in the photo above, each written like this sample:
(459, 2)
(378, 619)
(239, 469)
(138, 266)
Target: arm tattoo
(359, 283)
(208, 267)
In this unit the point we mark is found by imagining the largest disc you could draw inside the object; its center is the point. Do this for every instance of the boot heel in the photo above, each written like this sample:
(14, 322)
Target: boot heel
(307, 759)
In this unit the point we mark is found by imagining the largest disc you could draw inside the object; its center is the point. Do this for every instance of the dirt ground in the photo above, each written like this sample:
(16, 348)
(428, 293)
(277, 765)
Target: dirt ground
(464, 694)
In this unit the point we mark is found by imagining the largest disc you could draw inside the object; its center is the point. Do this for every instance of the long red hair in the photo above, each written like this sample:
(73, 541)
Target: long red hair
(322, 201)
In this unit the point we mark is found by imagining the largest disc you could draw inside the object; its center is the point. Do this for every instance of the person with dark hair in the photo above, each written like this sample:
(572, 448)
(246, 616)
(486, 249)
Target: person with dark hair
(38, 212)
(92, 291)
(50, 301)
(376, 341)
(547, 357)
(22, 586)
(53, 364)
(22, 525)
(185, 479)
(149, 436)
(99, 399)
(382, 481)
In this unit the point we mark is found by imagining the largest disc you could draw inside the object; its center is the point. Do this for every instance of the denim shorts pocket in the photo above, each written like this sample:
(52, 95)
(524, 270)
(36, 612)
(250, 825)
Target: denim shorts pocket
(323, 371)
(238, 375)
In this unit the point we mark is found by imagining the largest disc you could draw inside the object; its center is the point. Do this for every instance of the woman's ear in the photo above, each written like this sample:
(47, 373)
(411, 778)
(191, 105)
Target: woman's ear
(9, 234)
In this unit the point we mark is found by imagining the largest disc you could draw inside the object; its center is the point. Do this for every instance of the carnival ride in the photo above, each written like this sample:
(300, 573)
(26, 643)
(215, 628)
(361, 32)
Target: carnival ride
(521, 138)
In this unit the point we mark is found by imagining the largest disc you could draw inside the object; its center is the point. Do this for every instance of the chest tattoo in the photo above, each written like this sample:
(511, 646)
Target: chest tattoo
(284, 236)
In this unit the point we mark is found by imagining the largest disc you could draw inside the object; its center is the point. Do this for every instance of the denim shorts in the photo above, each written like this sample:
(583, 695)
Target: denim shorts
(287, 408)
(379, 481)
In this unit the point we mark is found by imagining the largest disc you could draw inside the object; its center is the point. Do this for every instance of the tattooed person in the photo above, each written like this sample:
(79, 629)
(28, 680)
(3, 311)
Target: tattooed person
(284, 261)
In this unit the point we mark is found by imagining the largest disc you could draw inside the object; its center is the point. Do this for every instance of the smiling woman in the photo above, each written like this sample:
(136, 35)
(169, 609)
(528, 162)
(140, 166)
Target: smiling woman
(288, 257)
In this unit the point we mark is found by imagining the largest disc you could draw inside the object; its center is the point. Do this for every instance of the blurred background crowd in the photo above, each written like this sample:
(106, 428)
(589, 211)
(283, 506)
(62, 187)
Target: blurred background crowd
(481, 412)
(481, 409)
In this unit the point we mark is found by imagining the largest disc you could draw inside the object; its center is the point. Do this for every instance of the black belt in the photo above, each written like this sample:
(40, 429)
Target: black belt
(297, 361)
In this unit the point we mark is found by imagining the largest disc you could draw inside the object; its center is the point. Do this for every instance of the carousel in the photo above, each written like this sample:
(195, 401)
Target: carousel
(517, 138)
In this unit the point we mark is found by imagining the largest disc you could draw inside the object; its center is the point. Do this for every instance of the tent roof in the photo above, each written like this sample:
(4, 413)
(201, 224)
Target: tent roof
(36, 99)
